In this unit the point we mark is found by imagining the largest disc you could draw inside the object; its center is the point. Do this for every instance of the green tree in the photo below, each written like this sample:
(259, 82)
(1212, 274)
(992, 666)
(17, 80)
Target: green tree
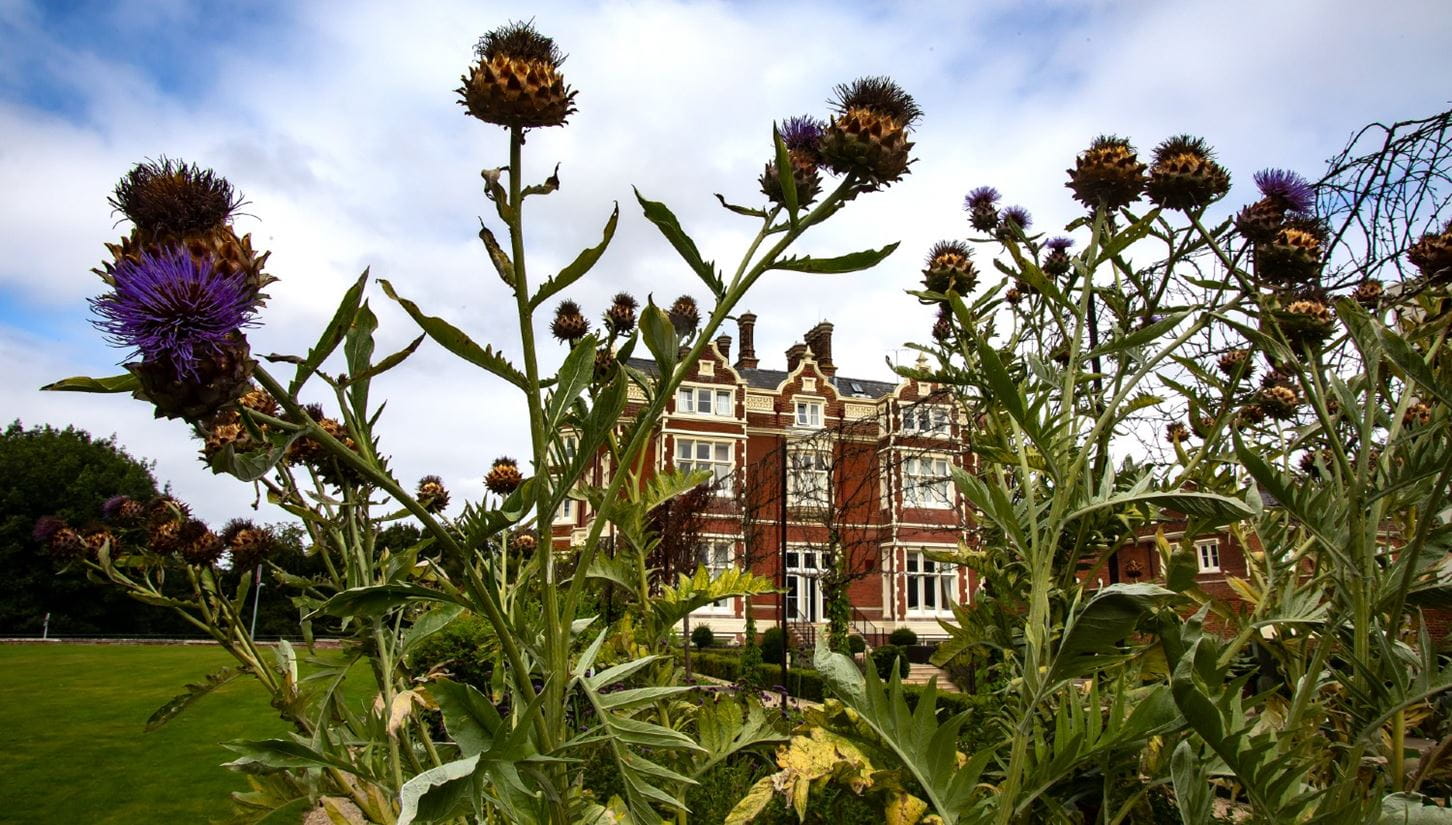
(65, 473)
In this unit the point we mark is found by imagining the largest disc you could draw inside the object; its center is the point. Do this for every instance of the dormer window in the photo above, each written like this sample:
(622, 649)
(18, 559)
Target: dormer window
(809, 414)
(705, 401)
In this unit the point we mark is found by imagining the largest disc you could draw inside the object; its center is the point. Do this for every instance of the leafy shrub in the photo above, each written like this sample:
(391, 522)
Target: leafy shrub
(774, 645)
(464, 647)
(920, 654)
(883, 657)
(903, 637)
(703, 637)
(856, 644)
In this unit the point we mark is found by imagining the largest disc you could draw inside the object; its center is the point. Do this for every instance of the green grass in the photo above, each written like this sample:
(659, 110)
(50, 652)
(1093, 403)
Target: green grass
(72, 718)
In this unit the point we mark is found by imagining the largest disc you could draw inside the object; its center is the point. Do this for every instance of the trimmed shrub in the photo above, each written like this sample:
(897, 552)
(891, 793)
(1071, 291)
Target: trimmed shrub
(773, 646)
(703, 637)
(883, 657)
(464, 647)
(903, 637)
(856, 644)
(920, 654)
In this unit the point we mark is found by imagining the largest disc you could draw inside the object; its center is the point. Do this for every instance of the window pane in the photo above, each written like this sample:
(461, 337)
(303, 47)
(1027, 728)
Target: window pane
(723, 403)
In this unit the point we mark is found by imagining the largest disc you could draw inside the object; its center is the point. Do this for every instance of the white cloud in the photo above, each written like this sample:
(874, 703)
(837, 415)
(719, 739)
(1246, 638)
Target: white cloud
(346, 138)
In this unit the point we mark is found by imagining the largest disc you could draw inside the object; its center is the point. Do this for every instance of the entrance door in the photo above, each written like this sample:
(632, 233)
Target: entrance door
(804, 591)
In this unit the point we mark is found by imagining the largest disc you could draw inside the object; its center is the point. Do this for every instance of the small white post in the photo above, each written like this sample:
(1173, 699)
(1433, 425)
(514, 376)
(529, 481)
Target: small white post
(45, 628)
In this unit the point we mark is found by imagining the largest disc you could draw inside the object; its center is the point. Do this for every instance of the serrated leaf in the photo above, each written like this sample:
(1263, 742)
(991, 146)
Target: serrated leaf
(574, 376)
(853, 262)
(665, 220)
(81, 383)
(430, 623)
(1140, 337)
(333, 333)
(437, 793)
(375, 600)
(741, 210)
(1214, 509)
(454, 340)
(578, 267)
(182, 701)
(1093, 635)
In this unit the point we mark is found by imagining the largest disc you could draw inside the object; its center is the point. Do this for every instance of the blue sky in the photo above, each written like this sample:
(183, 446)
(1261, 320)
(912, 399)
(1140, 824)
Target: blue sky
(338, 122)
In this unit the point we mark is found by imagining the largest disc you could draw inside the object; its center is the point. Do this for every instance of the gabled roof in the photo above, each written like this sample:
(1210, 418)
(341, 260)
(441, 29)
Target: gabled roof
(771, 379)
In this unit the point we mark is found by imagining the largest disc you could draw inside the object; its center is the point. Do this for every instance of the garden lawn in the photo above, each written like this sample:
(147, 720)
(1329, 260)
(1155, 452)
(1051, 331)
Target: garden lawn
(74, 748)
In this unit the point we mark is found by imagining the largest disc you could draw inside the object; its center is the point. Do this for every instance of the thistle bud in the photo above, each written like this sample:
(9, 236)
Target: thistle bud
(868, 136)
(950, 268)
(943, 326)
(100, 539)
(517, 82)
(1013, 221)
(1293, 256)
(1057, 262)
(1368, 293)
(249, 544)
(523, 542)
(1432, 255)
(1418, 413)
(1232, 362)
(123, 511)
(569, 325)
(802, 137)
(504, 477)
(432, 494)
(1306, 321)
(604, 364)
(198, 545)
(982, 207)
(1185, 176)
(684, 315)
(1177, 432)
(620, 317)
(1108, 173)
(1278, 402)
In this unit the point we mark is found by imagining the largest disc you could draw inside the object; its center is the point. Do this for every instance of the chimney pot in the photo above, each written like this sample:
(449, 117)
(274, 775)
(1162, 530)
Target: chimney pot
(746, 326)
(723, 346)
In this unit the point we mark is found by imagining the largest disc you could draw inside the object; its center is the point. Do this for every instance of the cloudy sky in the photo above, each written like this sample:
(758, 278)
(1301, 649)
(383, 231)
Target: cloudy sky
(338, 122)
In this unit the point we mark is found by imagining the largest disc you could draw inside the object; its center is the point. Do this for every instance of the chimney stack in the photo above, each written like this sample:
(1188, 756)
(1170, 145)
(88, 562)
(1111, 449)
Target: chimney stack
(819, 338)
(746, 325)
(794, 355)
(723, 346)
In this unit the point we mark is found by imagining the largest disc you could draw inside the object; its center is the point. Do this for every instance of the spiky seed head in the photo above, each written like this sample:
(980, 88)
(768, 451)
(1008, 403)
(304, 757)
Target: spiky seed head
(123, 510)
(1177, 432)
(221, 377)
(868, 135)
(66, 544)
(1286, 189)
(504, 476)
(45, 527)
(982, 207)
(1108, 173)
(950, 268)
(805, 179)
(259, 400)
(169, 196)
(1278, 377)
(620, 316)
(198, 545)
(1418, 414)
(1368, 293)
(1432, 255)
(1201, 425)
(1279, 402)
(1236, 360)
(1057, 262)
(569, 324)
(943, 326)
(223, 434)
(432, 494)
(1013, 296)
(1307, 321)
(604, 364)
(1185, 175)
(1294, 256)
(1260, 221)
(1313, 460)
(164, 509)
(517, 80)
(1250, 415)
(98, 539)
(523, 542)
(249, 544)
(685, 315)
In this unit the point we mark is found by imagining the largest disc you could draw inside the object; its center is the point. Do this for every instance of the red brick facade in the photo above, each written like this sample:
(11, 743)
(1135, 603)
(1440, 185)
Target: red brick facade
(866, 470)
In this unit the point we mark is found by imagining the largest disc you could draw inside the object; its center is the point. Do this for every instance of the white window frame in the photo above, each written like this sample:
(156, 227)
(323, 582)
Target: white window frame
(717, 555)
(809, 478)
(938, 418)
(566, 512)
(687, 457)
(928, 490)
(1207, 555)
(722, 402)
(927, 581)
(809, 413)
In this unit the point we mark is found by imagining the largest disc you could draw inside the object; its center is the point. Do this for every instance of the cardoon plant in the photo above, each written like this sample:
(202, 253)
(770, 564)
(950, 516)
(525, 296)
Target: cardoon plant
(564, 685)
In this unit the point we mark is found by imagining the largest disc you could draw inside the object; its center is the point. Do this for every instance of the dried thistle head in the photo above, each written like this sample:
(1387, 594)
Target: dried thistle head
(504, 476)
(1108, 173)
(950, 268)
(517, 82)
(1432, 255)
(569, 324)
(174, 198)
(1232, 362)
(620, 316)
(1185, 175)
(432, 494)
(1368, 293)
(868, 135)
(685, 315)
(1176, 432)
(1279, 402)
(1057, 262)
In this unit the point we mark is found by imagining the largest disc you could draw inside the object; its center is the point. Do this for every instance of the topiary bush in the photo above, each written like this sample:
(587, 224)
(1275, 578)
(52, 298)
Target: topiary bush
(903, 637)
(774, 645)
(856, 644)
(703, 637)
(883, 657)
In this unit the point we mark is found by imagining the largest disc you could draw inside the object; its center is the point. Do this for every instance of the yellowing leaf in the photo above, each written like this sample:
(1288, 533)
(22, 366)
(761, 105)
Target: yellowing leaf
(905, 809)
(751, 805)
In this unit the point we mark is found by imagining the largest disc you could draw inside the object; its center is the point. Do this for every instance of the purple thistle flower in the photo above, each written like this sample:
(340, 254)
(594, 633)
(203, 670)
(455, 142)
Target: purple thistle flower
(1059, 244)
(111, 506)
(173, 309)
(801, 132)
(1019, 216)
(1293, 191)
(984, 197)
